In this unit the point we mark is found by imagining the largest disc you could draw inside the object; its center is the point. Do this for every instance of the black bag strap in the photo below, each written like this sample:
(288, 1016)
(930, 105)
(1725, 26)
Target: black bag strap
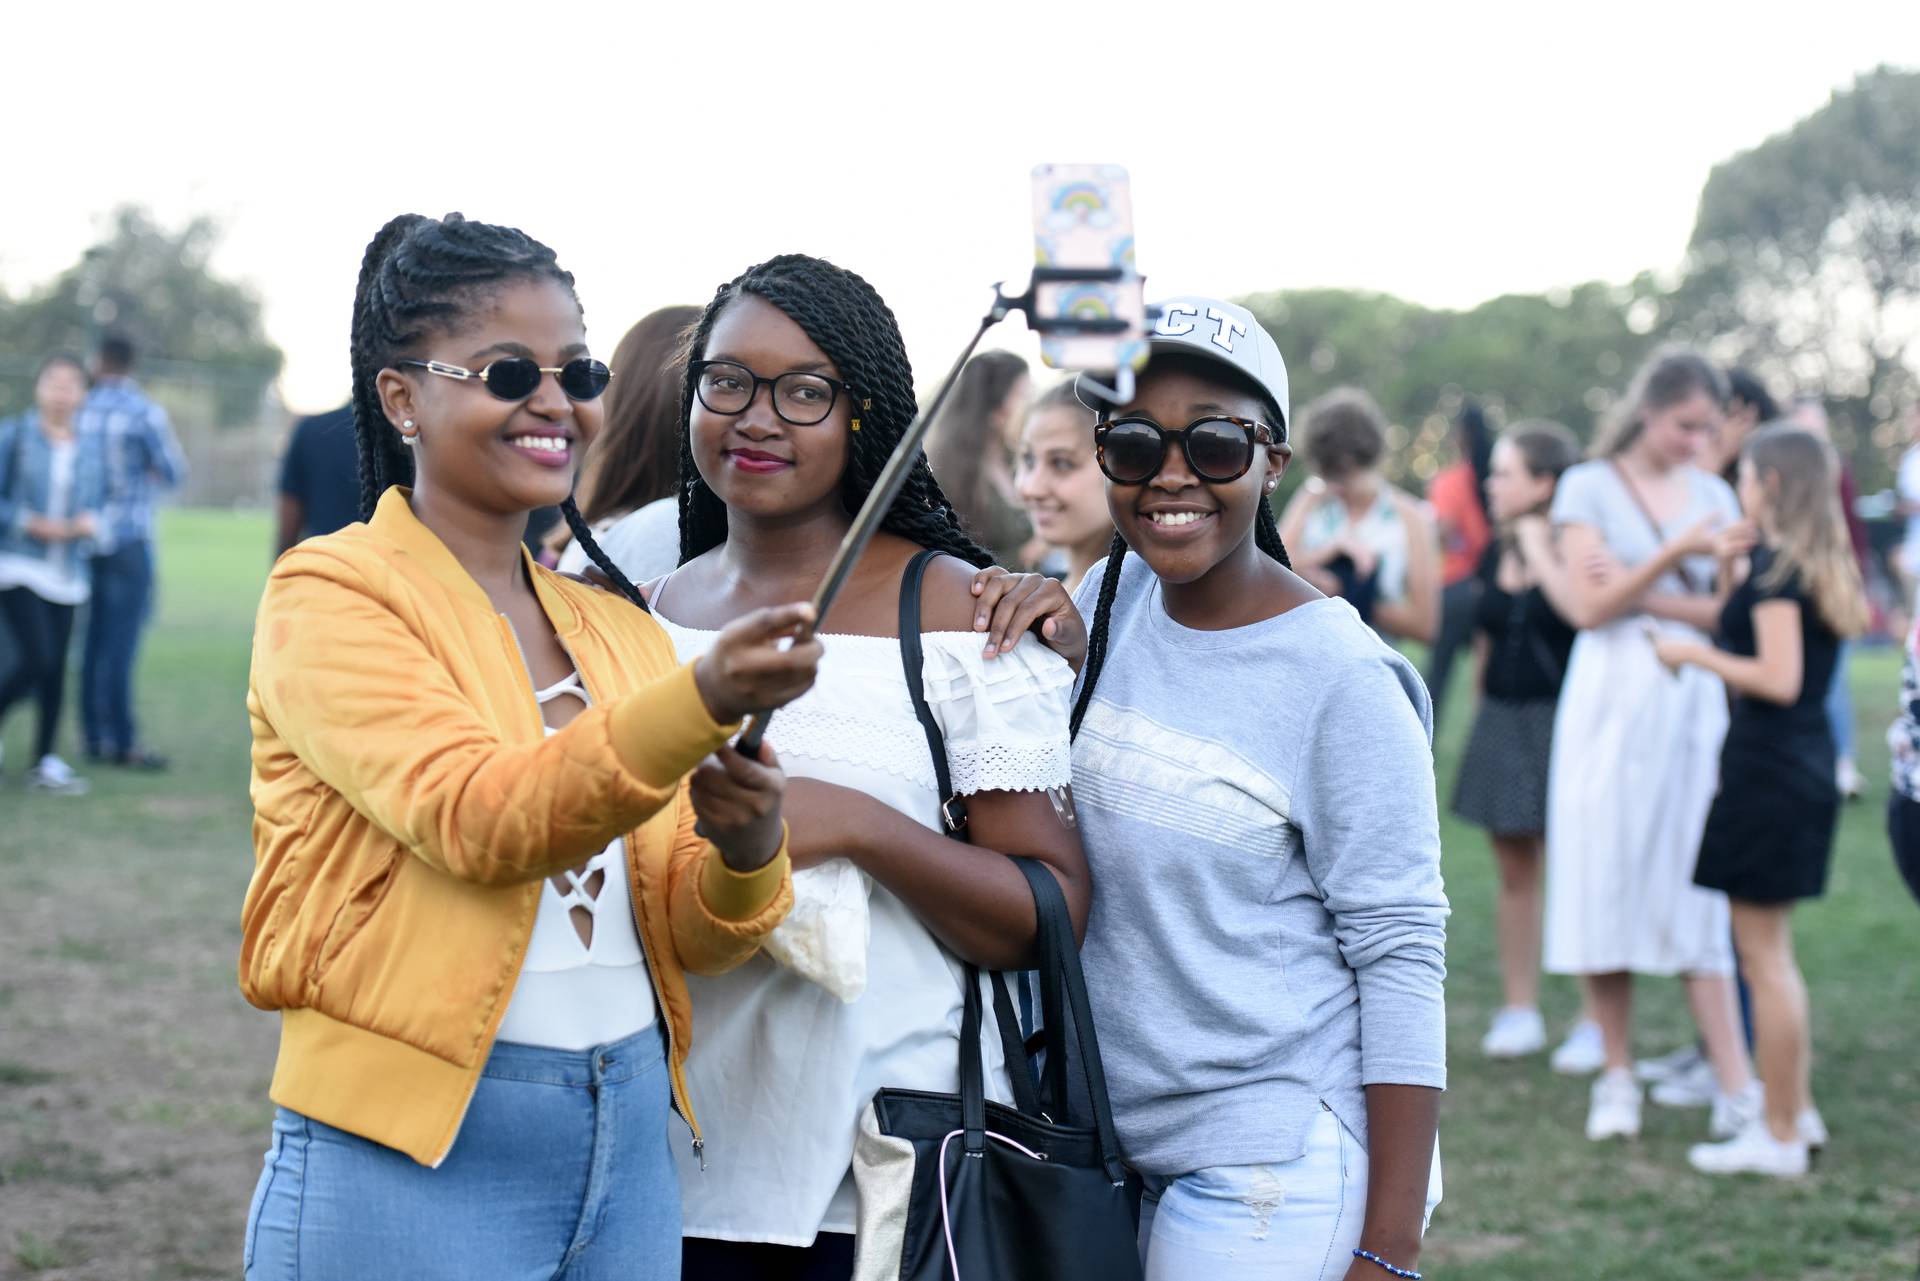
(953, 817)
(973, 1074)
(953, 810)
(1064, 962)
(1025, 1096)
(1053, 1016)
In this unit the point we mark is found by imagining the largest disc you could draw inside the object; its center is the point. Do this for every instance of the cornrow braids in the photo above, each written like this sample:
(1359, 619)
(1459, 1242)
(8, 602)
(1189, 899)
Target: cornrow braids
(848, 320)
(421, 275)
(1266, 536)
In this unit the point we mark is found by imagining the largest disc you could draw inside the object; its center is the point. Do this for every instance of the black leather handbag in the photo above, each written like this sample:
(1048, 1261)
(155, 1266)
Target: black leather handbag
(957, 1187)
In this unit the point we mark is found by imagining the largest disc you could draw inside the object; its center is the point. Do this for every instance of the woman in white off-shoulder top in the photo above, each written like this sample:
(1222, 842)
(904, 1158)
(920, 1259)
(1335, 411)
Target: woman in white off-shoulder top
(798, 389)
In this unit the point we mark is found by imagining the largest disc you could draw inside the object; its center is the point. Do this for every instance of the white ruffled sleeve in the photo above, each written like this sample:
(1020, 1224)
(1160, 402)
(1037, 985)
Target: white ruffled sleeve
(1005, 719)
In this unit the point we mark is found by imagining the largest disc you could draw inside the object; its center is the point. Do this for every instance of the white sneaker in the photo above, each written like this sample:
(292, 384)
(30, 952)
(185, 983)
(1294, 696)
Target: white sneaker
(1733, 1113)
(1614, 1109)
(54, 775)
(1515, 1034)
(1753, 1151)
(1693, 1088)
(1813, 1128)
(1666, 1065)
(1582, 1053)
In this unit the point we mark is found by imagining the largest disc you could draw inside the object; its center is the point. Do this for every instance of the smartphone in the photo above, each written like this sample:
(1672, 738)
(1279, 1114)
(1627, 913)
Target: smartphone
(1089, 303)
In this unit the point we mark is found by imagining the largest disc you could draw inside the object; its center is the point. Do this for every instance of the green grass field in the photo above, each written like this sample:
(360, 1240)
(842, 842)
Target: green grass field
(133, 1078)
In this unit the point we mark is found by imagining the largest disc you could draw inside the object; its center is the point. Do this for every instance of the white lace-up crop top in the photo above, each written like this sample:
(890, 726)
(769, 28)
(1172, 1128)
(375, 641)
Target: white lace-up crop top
(574, 994)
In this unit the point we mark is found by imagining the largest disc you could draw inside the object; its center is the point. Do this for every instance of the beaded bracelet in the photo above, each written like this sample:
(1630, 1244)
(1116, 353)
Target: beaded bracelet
(1371, 1257)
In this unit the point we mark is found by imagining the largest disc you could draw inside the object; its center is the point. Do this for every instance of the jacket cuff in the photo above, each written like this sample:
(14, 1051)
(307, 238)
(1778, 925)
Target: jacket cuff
(664, 730)
(740, 896)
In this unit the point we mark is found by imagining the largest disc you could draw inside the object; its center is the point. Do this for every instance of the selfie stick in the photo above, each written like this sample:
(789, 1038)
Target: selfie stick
(893, 477)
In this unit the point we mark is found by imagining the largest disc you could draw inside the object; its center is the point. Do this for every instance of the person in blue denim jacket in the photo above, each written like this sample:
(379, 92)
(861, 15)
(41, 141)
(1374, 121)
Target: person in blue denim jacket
(52, 488)
(143, 461)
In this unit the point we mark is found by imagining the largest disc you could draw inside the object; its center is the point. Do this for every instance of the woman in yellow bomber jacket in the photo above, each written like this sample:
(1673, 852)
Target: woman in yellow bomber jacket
(478, 876)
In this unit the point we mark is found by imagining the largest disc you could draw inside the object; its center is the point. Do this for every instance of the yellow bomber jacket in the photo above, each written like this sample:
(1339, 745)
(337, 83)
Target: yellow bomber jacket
(408, 806)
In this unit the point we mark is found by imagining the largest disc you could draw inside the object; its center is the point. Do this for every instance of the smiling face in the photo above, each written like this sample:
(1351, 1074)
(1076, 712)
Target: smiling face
(499, 456)
(1058, 480)
(1675, 434)
(1180, 525)
(755, 461)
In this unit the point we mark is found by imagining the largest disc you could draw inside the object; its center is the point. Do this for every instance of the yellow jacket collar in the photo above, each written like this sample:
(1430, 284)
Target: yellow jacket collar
(393, 520)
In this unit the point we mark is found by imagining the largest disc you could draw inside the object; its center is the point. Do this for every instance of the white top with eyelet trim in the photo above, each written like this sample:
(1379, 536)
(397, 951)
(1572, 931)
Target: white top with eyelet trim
(783, 1068)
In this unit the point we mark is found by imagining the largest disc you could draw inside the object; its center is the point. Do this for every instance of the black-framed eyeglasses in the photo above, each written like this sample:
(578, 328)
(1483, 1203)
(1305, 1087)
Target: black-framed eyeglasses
(516, 377)
(1219, 448)
(728, 387)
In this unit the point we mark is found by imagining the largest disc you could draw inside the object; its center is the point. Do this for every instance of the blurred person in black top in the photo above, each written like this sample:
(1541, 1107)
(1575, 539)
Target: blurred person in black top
(1522, 645)
(1769, 836)
(319, 478)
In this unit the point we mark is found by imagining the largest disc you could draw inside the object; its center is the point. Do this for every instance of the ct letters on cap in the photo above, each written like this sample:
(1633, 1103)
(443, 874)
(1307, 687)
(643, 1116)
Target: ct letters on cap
(1178, 320)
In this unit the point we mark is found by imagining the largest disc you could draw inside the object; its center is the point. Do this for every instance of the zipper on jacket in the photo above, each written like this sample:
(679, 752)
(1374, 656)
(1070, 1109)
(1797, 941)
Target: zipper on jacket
(680, 1105)
(493, 1024)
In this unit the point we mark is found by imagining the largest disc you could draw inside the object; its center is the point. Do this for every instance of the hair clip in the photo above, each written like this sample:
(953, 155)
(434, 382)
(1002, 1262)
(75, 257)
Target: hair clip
(864, 405)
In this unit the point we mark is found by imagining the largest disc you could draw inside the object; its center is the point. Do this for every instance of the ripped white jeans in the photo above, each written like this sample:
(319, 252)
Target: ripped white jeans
(1295, 1221)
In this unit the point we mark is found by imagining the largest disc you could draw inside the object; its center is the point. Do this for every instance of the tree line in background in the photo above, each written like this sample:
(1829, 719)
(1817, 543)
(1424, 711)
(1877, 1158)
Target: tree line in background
(1804, 264)
(157, 286)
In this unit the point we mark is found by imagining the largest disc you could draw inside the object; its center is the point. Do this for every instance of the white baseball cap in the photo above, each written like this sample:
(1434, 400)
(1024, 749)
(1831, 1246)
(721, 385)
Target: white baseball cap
(1220, 331)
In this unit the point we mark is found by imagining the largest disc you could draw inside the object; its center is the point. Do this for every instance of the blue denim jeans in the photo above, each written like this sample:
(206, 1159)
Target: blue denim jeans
(1292, 1221)
(1839, 704)
(561, 1172)
(116, 615)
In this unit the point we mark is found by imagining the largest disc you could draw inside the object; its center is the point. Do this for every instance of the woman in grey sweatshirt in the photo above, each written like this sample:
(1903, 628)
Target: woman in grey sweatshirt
(1254, 782)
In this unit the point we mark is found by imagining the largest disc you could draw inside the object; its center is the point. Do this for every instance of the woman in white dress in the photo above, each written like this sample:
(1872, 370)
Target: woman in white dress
(1635, 748)
(798, 390)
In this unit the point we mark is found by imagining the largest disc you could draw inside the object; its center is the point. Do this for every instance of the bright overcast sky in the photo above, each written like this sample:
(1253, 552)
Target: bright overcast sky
(1445, 153)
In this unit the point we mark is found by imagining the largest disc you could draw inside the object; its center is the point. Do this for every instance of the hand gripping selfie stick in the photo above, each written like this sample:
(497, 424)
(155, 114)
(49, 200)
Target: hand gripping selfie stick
(893, 477)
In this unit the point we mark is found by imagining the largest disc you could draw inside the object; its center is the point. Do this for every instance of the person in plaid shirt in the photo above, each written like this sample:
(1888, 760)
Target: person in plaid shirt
(144, 460)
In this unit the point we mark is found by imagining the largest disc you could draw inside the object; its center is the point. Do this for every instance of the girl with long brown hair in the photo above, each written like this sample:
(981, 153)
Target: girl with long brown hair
(1770, 834)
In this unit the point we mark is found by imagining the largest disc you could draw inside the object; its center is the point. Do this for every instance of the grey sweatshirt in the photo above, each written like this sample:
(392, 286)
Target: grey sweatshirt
(1269, 926)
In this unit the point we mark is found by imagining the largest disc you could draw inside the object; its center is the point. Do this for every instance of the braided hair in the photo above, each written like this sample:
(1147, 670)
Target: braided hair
(849, 321)
(1266, 536)
(420, 275)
